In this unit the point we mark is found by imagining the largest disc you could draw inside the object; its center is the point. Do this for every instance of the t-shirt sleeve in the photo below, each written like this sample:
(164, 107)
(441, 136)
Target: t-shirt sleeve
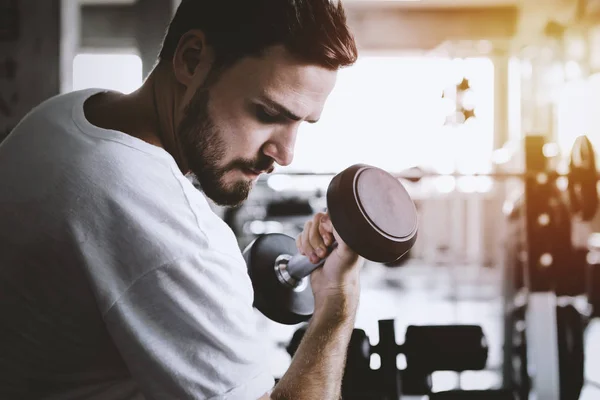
(168, 277)
(187, 330)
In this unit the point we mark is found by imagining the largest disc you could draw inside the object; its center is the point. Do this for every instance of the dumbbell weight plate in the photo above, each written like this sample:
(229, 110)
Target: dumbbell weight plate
(571, 349)
(583, 179)
(445, 348)
(502, 394)
(381, 224)
(276, 301)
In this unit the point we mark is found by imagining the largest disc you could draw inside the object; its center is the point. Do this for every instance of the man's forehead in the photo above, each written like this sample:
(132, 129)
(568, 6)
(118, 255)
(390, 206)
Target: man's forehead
(277, 73)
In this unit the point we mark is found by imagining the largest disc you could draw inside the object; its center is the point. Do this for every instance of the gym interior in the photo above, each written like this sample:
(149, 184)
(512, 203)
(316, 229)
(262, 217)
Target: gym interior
(487, 113)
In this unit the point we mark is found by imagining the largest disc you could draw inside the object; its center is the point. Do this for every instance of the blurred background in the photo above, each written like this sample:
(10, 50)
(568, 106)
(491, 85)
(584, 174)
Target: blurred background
(441, 86)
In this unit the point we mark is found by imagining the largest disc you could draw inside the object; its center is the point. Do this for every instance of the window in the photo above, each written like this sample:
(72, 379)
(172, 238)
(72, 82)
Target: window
(577, 113)
(121, 72)
(387, 111)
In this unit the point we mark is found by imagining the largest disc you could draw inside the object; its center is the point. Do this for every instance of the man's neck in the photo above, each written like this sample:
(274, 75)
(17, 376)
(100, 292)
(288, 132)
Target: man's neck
(150, 113)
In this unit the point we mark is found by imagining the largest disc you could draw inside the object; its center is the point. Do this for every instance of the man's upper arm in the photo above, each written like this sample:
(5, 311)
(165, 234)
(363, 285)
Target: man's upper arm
(169, 280)
(186, 330)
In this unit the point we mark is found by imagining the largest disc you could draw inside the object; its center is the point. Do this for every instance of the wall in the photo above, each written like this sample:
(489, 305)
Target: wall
(29, 57)
(425, 29)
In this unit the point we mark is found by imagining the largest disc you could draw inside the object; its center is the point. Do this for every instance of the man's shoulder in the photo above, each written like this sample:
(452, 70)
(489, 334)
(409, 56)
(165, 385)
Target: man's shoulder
(57, 108)
(96, 159)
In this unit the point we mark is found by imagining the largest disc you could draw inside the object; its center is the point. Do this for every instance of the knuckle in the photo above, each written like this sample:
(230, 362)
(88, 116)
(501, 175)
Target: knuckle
(323, 229)
(320, 216)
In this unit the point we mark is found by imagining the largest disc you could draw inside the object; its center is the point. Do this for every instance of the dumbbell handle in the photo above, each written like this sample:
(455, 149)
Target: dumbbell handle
(292, 269)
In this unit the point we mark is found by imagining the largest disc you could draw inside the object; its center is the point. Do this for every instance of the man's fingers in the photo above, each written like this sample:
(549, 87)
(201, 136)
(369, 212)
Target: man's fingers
(299, 244)
(317, 236)
(309, 251)
(326, 230)
(326, 235)
(316, 240)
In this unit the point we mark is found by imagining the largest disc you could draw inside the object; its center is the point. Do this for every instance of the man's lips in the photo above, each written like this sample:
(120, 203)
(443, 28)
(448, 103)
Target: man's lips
(252, 172)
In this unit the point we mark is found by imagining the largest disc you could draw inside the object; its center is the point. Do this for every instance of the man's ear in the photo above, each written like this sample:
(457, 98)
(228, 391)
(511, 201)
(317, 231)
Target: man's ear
(192, 57)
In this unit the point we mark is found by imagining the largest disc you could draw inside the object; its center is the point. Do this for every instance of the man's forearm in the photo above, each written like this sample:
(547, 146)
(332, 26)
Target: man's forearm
(318, 365)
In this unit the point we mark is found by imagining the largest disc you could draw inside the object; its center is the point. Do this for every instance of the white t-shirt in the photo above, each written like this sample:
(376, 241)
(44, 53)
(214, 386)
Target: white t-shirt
(117, 280)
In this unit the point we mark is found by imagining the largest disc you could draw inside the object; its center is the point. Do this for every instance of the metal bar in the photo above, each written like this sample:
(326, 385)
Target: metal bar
(541, 175)
(388, 352)
(542, 345)
(541, 260)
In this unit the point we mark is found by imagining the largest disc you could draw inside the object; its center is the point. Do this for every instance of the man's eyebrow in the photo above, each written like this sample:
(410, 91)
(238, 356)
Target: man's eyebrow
(280, 108)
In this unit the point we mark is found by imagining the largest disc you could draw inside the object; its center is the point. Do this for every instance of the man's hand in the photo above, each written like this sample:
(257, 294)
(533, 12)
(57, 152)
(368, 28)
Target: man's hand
(318, 365)
(337, 280)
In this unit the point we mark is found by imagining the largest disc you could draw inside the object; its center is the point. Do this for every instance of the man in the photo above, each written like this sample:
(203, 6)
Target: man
(116, 279)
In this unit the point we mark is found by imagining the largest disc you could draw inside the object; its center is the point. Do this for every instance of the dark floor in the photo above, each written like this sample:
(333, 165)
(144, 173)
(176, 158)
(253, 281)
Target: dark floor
(418, 294)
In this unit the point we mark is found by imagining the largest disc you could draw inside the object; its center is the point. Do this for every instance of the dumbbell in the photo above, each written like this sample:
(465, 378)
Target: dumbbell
(370, 210)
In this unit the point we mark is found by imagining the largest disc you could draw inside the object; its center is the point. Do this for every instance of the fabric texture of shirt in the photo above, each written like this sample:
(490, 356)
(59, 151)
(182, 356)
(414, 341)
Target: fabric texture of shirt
(117, 279)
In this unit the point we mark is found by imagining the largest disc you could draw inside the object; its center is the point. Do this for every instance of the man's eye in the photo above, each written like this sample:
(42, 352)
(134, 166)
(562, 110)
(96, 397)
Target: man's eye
(266, 116)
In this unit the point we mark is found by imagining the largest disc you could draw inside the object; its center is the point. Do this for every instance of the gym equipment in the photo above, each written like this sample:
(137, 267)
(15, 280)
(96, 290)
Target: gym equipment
(288, 208)
(553, 230)
(426, 348)
(373, 214)
(539, 226)
(500, 394)
(570, 280)
(445, 348)
(520, 380)
(542, 335)
(439, 348)
(582, 176)
(592, 278)
(583, 189)
(570, 329)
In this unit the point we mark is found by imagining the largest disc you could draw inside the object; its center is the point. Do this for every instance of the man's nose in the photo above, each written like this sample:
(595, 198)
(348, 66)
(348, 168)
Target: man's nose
(281, 146)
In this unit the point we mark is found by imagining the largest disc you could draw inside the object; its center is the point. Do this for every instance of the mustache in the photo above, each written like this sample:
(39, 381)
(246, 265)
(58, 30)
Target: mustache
(262, 164)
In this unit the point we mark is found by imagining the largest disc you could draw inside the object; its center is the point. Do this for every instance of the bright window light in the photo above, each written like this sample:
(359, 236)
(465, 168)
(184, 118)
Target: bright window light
(388, 111)
(577, 113)
(120, 72)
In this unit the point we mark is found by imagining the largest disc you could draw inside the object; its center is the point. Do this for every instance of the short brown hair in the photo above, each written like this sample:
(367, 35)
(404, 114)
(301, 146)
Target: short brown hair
(315, 31)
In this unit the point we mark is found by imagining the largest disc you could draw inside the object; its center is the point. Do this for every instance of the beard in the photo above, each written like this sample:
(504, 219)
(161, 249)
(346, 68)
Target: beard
(203, 147)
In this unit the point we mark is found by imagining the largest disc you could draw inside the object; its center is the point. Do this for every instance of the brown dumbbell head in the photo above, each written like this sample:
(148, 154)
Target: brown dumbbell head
(372, 212)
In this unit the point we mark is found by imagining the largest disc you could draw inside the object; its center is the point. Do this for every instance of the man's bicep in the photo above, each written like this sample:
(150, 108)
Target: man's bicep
(187, 330)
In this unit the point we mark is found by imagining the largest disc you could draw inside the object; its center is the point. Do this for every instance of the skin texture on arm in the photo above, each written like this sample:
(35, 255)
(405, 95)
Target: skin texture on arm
(318, 365)
(316, 371)
(317, 368)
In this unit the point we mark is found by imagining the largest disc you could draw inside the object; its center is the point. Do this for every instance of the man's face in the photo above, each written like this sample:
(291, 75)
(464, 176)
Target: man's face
(244, 123)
